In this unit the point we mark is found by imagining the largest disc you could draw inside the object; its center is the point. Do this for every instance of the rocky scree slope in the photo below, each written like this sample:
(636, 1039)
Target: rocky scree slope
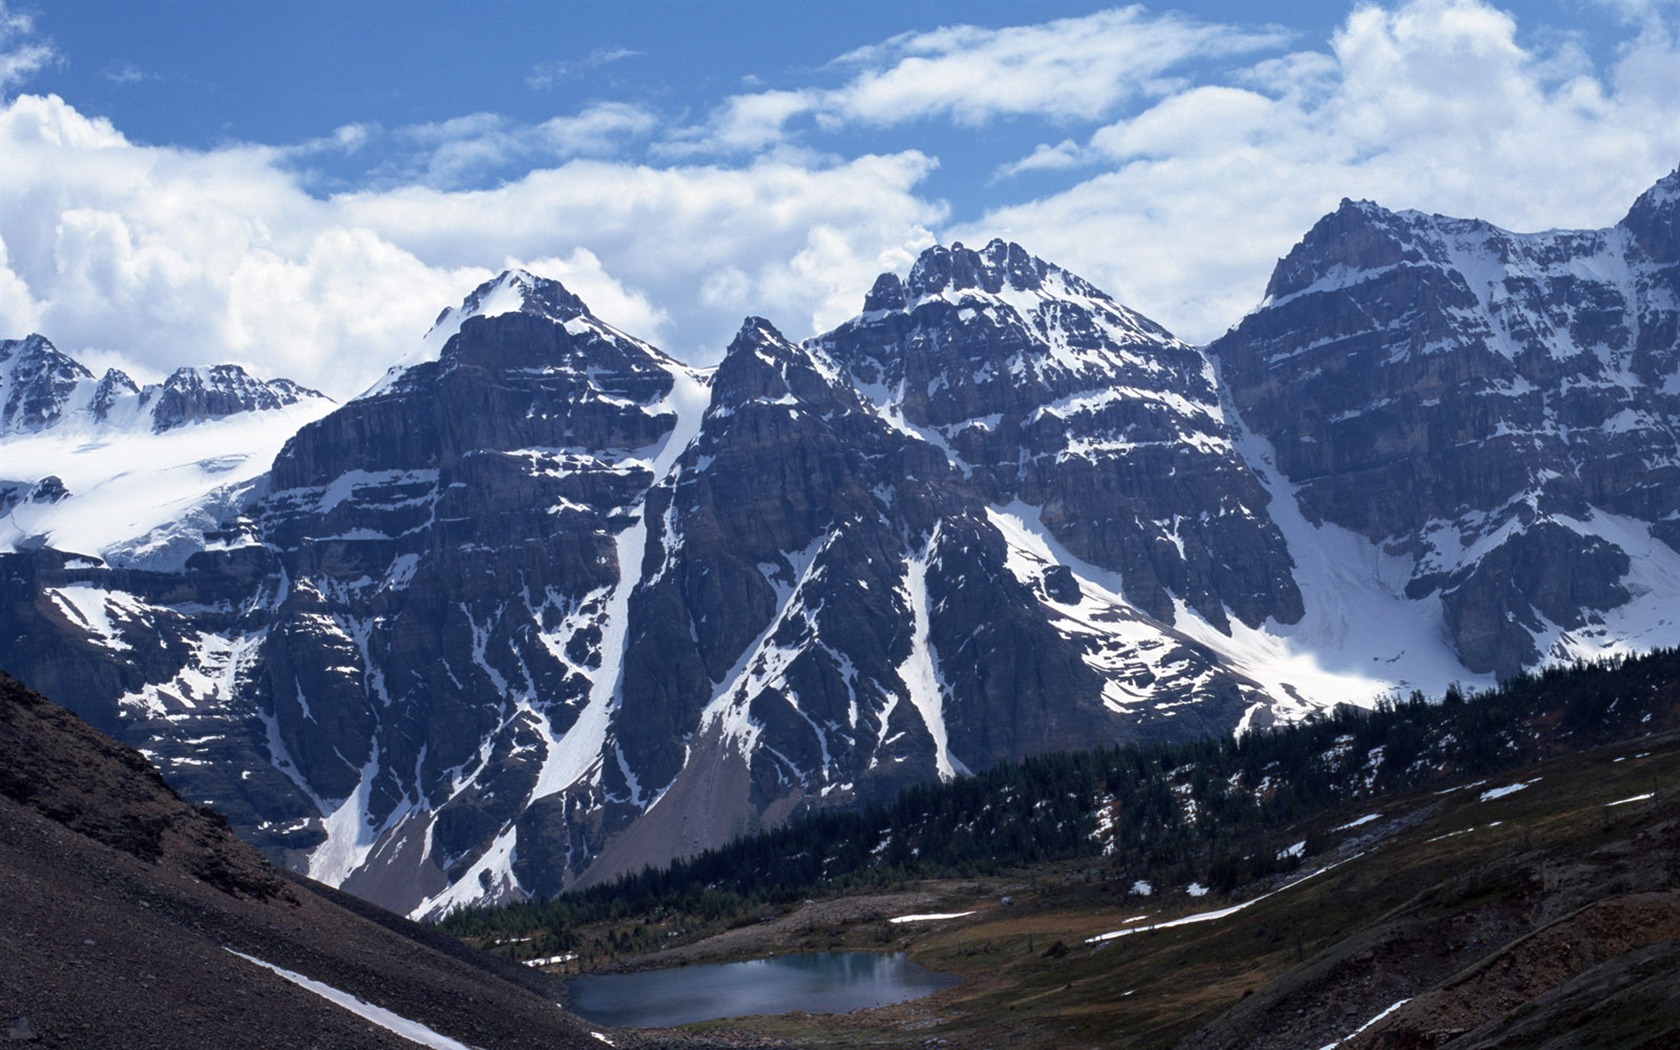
(124, 904)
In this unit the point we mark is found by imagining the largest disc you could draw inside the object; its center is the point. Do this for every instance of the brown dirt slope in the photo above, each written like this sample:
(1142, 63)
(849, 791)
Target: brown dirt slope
(120, 905)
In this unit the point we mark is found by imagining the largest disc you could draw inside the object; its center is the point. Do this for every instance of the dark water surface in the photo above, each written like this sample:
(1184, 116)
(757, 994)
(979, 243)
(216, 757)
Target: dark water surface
(818, 983)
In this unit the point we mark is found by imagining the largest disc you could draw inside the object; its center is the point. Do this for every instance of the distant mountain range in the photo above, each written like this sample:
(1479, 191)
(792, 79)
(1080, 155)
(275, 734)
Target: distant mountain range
(546, 605)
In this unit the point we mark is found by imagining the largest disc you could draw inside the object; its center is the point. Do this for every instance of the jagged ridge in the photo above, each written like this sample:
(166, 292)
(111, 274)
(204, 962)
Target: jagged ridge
(544, 605)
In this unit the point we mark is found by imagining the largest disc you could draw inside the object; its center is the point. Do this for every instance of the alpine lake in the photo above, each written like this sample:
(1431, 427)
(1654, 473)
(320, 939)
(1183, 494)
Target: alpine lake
(810, 982)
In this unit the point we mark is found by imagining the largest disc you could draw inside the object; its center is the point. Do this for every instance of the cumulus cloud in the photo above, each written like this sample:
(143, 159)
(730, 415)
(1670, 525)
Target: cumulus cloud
(624, 308)
(159, 257)
(666, 231)
(1435, 106)
(19, 312)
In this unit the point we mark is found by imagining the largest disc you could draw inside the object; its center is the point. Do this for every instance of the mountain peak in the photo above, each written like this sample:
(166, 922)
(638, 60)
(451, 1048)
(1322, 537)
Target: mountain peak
(887, 294)
(196, 394)
(763, 364)
(1654, 219)
(755, 331)
(512, 291)
(1358, 236)
(520, 291)
(997, 266)
(36, 381)
(114, 386)
(31, 344)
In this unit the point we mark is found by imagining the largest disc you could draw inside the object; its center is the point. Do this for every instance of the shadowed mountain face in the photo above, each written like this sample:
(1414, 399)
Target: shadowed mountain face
(124, 904)
(1500, 410)
(546, 605)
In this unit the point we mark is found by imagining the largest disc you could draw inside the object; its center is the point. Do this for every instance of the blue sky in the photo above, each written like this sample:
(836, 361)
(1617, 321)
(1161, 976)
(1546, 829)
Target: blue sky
(301, 187)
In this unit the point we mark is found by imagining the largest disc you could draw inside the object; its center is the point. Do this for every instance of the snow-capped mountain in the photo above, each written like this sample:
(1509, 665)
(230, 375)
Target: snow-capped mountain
(1095, 420)
(544, 604)
(107, 468)
(1496, 412)
(42, 389)
(549, 593)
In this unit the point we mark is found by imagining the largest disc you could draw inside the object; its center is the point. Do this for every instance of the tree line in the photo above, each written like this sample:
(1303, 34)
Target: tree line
(1164, 813)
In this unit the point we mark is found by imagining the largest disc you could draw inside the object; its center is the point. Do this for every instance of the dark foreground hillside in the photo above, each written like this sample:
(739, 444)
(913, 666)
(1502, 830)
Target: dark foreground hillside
(121, 906)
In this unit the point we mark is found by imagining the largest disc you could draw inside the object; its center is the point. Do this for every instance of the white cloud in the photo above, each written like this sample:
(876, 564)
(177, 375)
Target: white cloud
(665, 231)
(547, 74)
(1435, 106)
(19, 312)
(1064, 154)
(21, 54)
(624, 308)
(597, 131)
(1191, 187)
(464, 150)
(745, 123)
(1068, 69)
(151, 258)
(125, 73)
(1071, 68)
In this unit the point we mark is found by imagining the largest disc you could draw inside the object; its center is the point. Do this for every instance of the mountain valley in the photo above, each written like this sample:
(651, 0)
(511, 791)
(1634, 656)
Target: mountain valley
(1496, 869)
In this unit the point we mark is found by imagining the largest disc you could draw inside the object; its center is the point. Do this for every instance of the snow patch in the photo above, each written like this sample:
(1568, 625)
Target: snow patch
(91, 607)
(413, 1031)
(920, 673)
(1635, 798)
(1367, 1024)
(1211, 916)
(125, 485)
(1508, 789)
(932, 916)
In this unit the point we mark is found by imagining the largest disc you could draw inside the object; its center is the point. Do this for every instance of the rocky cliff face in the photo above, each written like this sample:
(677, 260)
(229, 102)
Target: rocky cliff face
(1499, 409)
(1043, 390)
(546, 605)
